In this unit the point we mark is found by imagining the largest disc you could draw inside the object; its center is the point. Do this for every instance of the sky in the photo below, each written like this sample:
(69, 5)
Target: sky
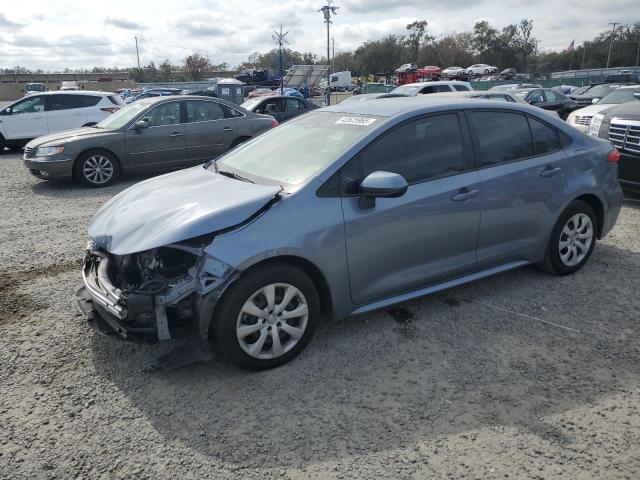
(58, 34)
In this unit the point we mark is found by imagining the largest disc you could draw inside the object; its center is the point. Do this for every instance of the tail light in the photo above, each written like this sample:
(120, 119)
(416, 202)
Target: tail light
(274, 123)
(110, 109)
(614, 156)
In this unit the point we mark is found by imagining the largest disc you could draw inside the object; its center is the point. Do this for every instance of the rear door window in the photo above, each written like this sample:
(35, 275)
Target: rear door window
(461, 88)
(501, 136)
(293, 105)
(68, 102)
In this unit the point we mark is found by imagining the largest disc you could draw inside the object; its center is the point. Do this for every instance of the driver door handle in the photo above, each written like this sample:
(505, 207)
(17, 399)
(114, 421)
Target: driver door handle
(550, 172)
(465, 194)
(227, 129)
(176, 134)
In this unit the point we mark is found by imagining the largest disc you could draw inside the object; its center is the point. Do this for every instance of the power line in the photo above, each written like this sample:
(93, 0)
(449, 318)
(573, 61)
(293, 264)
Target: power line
(65, 46)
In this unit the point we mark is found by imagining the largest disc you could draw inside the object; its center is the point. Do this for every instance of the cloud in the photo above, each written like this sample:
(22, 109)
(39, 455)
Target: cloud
(124, 23)
(378, 6)
(202, 25)
(9, 24)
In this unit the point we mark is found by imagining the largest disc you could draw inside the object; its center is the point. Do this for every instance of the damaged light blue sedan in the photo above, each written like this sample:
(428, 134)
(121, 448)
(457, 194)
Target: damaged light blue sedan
(342, 211)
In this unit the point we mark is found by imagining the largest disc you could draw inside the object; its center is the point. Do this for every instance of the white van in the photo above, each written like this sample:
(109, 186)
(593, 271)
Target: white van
(42, 113)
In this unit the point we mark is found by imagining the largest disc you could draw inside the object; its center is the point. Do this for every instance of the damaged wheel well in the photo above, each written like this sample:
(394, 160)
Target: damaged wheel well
(314, 273)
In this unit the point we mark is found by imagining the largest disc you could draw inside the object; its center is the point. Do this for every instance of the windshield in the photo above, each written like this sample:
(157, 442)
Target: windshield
(405, 90)
(122, 117)
(620, 95)
(600, 90)
(580, 90)
(249, 104)
(520, 93)
(292, 153)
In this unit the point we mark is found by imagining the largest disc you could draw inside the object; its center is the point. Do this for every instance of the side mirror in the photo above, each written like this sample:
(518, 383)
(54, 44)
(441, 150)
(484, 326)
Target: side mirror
(636, 95)
(532, 101)
(141, 124)
(381, 184)
(595, 100)
(6, 111)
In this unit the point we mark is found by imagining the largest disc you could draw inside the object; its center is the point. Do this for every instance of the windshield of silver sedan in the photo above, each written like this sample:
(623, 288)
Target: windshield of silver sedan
(292, 153)
(122, 117)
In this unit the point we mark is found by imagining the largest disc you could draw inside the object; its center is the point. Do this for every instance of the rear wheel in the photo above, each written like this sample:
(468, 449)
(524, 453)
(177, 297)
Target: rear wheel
(97, 168)
(572, 239)
(266, 317)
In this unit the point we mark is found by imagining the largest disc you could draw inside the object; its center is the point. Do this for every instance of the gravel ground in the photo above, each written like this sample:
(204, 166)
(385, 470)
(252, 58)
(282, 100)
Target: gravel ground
(442, 387)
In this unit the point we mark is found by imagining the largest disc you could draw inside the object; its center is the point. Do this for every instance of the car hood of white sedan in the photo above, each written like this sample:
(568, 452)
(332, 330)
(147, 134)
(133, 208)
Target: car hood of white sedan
(175, 207)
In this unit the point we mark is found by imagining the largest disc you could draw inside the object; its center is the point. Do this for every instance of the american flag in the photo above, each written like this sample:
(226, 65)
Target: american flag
(570, 47)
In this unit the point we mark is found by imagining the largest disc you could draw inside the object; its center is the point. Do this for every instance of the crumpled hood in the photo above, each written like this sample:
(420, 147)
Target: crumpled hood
(67, 136)
(175, 207)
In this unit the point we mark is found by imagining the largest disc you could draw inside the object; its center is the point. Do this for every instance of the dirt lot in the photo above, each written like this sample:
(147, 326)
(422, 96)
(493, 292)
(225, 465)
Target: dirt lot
(445, 387)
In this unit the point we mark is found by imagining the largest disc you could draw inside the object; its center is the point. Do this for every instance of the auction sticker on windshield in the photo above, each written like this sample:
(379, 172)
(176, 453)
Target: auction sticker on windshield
(363, 121)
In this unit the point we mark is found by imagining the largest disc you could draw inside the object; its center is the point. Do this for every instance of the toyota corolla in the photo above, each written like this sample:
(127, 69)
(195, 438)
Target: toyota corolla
(342, 211)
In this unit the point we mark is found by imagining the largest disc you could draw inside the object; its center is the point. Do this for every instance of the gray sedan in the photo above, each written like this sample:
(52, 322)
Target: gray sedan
(153, 134)
(281, 107)
(342, 211)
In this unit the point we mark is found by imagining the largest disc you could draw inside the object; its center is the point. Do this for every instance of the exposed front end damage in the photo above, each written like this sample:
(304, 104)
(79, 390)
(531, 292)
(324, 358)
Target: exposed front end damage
(156, 295)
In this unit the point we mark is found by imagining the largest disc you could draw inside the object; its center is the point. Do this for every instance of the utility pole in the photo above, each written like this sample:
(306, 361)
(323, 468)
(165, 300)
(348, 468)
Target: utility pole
(584, 53)
(333, 54)
(279, 39)
(638, 54)
(137, 54)
(327, 11)
(613, 29)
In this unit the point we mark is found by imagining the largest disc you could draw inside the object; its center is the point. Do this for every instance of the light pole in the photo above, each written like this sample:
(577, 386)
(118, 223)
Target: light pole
(279, 39)
(327, 11)
(613, 29)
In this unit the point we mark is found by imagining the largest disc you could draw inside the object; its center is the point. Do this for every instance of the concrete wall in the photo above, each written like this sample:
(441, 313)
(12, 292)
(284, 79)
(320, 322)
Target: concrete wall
(13, 91)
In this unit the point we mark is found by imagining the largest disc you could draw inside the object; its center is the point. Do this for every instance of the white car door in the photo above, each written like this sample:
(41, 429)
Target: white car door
(65, 112)
(25, 119)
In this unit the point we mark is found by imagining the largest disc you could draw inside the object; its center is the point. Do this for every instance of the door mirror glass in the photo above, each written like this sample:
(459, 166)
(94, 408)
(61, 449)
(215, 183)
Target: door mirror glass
(381, 184)
(141, 124)
(595, 100)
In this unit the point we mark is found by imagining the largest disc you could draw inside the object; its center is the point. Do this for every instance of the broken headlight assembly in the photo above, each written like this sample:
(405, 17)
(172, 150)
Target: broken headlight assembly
(155, 293)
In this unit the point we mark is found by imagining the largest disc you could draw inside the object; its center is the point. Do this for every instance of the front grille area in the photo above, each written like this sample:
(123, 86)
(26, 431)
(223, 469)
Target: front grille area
(625, 135)
(29, 152)
(584, 120)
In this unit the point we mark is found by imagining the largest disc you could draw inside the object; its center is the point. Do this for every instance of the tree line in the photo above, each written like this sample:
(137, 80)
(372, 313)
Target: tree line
(512, 46)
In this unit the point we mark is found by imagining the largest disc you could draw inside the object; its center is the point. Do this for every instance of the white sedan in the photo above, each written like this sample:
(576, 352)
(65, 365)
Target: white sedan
(481, 69)
(453, 71)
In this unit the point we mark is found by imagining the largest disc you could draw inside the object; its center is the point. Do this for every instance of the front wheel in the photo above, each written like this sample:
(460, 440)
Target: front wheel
(572, 239)
(266, 317)
(97, 168)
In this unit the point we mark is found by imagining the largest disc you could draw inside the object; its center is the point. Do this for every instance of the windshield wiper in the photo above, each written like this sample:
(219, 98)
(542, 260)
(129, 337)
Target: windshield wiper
(233, 175)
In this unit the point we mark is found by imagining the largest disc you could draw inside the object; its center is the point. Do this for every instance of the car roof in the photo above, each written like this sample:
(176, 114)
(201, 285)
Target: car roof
(77, 92)
(389, 107)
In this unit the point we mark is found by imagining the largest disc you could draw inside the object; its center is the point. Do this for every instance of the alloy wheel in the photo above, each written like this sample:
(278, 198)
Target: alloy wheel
(272, 321)
(98, 169)
(575, 239)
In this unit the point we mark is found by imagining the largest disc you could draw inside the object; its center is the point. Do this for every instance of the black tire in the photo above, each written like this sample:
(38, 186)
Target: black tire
(3, 144)
(223, 334)
(238, 141)
(79, 171)
(553, 262)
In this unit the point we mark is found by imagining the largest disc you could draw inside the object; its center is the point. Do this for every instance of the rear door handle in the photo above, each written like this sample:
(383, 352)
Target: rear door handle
(176, 134)
(465, 194)
(550, 172)
(227, 129)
